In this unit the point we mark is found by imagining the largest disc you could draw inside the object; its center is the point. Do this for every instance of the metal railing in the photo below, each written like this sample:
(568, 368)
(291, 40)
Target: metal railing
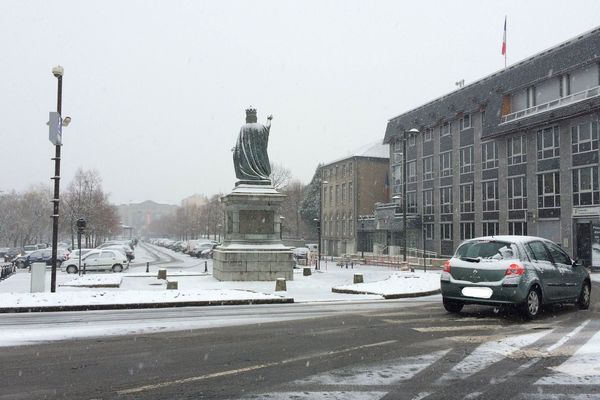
(551, 105)
(6, 270)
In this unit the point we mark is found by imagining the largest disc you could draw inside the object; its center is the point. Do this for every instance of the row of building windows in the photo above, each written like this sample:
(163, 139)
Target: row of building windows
(585, 192)
(338, 227)
(340, 194)
(467, 229)
(584, 138)
(339, 171)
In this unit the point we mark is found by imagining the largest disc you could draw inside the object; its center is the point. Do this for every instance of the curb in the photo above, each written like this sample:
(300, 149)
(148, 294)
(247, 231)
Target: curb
(94, 307)
(388, 296)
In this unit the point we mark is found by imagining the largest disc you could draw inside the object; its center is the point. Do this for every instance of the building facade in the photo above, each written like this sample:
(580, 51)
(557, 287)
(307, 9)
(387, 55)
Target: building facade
(513, 153)
(351, 187)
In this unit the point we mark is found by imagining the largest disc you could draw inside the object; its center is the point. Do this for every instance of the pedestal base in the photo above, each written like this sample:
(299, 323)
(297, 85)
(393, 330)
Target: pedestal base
(252, 249)
(253, 263)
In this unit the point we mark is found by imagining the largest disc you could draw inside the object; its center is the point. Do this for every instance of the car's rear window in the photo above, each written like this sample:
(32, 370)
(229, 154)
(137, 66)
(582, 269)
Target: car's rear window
(488, 250)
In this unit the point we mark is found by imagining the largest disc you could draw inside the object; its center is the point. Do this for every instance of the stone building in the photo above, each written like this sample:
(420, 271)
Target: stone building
(354, 184)
(513, 153)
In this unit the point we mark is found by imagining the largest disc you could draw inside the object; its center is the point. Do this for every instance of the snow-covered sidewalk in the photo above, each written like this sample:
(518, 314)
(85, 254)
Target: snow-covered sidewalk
(137, 288)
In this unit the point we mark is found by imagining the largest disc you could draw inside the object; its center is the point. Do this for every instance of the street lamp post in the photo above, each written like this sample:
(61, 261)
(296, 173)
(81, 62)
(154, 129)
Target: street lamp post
(411, 132)
(80, 228)
(321, 183)
(58, 72)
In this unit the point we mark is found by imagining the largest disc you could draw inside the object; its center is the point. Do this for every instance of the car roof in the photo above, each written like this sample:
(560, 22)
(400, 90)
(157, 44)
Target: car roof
(510, 238)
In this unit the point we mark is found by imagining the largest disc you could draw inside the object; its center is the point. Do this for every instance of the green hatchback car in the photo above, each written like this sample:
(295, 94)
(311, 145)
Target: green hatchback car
(524, 271)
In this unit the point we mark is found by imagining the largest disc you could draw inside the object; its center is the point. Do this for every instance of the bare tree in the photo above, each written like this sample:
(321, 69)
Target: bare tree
(280, 176)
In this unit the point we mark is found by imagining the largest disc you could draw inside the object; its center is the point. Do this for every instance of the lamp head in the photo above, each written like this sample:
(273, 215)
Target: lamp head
(66, 121)
(58, 71)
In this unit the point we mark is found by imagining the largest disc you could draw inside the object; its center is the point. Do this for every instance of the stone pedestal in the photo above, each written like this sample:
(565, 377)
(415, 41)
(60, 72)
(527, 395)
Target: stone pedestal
(252, 249)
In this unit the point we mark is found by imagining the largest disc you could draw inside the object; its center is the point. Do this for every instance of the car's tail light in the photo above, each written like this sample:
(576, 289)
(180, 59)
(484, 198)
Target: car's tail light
(515, 269)
(447, 266)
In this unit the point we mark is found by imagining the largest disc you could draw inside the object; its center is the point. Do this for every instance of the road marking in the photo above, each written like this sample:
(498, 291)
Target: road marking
(389, 373)
(421, 395)
(454, 328)
(251, 368)
(319, 396)
(489, 353)
(582, 368)
(568, 336)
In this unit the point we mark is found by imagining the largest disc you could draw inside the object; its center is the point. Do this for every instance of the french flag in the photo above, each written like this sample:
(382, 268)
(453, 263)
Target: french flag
(504, 39)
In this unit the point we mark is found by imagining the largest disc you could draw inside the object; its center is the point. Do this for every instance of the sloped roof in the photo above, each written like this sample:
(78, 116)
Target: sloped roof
(371, 150)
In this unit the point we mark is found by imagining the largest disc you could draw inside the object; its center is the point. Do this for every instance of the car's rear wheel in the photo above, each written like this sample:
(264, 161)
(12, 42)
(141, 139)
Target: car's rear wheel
(531, 307)
(117, 268)
(584, 297)
(453, 306)
(71, 269)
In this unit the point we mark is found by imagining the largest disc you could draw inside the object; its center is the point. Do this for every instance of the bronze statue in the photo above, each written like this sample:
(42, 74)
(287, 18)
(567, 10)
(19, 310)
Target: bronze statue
(250, 158)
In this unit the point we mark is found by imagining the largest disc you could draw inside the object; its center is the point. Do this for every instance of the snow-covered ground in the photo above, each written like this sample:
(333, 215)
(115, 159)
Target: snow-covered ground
(192, 280)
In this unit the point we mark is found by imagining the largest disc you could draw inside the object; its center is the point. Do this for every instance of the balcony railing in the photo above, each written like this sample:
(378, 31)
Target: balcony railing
(552, 105)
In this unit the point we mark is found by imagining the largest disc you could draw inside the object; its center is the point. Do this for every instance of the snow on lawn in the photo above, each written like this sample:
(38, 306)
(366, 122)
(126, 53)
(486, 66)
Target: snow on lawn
(190, 276)
(400, 284)
(83, 298)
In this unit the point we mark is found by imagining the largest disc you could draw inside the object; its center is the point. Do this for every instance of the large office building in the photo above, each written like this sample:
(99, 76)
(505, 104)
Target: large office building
(351, 187)
(513, 153)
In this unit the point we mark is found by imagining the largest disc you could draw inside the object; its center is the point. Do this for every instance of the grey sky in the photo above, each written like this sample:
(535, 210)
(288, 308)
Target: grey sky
(157, 89)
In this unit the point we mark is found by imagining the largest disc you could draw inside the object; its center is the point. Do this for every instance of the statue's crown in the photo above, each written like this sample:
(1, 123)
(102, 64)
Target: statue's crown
(250, 111)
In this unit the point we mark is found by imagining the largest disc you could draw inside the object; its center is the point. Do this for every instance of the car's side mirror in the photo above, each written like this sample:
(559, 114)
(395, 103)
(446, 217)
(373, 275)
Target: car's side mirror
(576, 263)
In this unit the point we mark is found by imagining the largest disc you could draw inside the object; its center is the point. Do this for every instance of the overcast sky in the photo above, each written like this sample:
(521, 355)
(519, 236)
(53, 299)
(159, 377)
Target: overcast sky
(157, 89)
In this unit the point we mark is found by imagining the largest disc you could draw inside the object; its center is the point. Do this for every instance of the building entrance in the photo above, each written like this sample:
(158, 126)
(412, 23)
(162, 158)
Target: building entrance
(583, 233)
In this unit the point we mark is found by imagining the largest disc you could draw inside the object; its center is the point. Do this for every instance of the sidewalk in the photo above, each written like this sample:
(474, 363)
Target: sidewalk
(135, 288)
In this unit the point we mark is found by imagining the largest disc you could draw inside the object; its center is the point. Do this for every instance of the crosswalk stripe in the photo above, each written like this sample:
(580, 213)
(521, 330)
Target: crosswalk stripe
(383, 374)
(319, 396)
(582, 368)
(454, 328)
(489, 353)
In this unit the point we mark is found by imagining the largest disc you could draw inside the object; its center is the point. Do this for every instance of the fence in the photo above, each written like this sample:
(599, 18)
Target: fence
(6, 270)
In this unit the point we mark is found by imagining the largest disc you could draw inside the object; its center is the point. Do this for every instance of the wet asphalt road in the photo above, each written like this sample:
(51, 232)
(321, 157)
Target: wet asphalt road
(370, 350)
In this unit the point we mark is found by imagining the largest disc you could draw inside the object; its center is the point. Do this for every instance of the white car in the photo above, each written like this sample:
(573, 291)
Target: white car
(97, 260)
(75, 253)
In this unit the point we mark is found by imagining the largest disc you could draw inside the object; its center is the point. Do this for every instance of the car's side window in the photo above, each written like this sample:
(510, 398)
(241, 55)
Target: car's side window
(539, 251)
(106, 254)
(558, 254)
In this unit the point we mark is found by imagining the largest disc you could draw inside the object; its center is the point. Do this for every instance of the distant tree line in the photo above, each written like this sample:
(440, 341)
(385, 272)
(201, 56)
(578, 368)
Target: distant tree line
(25, 217)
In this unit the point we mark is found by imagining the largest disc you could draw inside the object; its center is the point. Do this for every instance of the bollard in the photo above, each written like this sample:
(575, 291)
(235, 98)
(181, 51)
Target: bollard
(306, 271)
(147, 267)
(205, 266)
(358, 278)
(280, 285)
(346, 264)
(162, 273)
(352, 264)
(172, 285)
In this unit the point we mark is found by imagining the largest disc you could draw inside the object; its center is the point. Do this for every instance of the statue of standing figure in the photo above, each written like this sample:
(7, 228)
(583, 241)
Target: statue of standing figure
(250, 158)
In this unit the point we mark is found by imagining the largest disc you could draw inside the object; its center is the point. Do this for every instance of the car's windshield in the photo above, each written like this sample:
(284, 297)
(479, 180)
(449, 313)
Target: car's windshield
(495, 250)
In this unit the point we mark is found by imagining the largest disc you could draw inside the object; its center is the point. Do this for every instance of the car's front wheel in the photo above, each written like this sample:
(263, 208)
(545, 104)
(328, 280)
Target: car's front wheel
(453, 306)
(71, 269)
(21, 264)
(584, 297)
(531, 307)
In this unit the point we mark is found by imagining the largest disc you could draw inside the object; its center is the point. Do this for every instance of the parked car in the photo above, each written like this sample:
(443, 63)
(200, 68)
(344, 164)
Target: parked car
(301, 253)
(29, 248)
(200, 247)
(126, 250)
(43, 255)
(524, 271)
(12, 253)
(97, 260)
(75, 253)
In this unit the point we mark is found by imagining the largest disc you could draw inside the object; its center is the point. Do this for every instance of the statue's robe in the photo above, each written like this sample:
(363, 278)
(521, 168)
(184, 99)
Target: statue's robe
(250, 158)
